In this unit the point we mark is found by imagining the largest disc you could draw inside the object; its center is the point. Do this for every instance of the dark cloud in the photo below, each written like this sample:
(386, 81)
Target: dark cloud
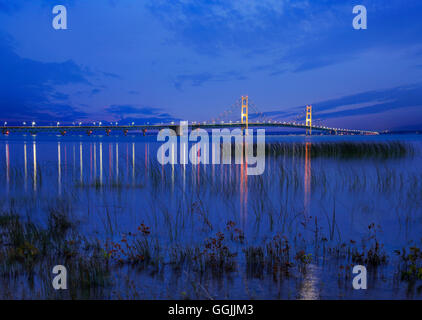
(376, 101)
(139, 114)
(95, 91)
(298, 35)
(148, 120)
(123, 110)
(27, 87)
(364, 103)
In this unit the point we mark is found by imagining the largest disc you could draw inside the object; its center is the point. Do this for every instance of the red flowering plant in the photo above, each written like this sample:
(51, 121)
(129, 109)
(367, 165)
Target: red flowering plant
(134, 248)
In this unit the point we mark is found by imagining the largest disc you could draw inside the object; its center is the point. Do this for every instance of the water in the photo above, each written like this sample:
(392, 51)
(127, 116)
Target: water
(323, 207)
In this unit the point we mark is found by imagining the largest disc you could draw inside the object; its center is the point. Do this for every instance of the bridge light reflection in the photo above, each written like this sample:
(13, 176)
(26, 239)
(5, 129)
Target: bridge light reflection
(34, 150)
(133, 163)
(244, 186)
(307, 178)
(117, 161)
(7, 166)
(59, 173)
(101, 163)
(80, 162)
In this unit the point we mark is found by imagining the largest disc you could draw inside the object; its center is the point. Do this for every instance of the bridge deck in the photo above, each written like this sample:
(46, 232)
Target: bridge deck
(193, 125)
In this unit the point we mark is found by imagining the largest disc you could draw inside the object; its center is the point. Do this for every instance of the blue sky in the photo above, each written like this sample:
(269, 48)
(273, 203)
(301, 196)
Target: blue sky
(166, 60)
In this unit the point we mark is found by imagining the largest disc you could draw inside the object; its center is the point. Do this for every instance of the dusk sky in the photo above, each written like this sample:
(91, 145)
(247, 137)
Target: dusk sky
(161, 61)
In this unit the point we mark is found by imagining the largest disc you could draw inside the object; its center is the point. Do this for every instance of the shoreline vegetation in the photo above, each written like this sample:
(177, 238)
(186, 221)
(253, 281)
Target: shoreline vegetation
(201, 242)
(336, 150)
(343, 150)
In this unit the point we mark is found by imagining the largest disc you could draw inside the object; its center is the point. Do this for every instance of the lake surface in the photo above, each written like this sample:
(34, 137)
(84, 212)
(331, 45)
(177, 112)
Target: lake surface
(331, 213)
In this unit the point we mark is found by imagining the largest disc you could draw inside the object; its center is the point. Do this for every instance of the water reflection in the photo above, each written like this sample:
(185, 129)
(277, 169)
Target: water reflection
(117, 161)
(25, 156)
(95, 160)
(110, 161)
(34, 150)
(101, 163)
(7, 166)
(133, 162)
(146, 157)
(90, 162)
(307, 178)
(244, 185)
(309, 287)
(80, 163)
(59, 168)
(284, 188)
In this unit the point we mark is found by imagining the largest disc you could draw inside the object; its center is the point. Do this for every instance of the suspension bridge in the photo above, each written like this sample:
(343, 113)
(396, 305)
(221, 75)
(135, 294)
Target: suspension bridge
(254, 119)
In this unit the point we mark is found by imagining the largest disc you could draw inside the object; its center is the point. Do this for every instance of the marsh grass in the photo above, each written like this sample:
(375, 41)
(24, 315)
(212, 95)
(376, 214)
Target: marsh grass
(28, 249)
(339, 150)
(191, 226)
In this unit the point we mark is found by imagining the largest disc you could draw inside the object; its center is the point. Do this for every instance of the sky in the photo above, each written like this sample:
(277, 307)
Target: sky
(167, 60)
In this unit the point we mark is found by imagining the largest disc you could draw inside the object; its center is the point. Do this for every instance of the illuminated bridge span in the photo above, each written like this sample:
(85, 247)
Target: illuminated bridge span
(258, 121)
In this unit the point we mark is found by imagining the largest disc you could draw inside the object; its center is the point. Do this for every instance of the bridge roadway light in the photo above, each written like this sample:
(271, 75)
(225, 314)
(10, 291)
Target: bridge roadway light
(99, 123)
(80, 123)
(33, 123)
(5, 123)
(58, 123)
(24, 123)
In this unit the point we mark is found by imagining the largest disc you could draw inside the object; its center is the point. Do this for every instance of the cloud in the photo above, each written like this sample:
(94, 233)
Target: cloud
(296, 35)
(376, 101)
(130, 109)
(364, 104)
(95, 91)
(131, 113)
(28, 87)
(111, 75)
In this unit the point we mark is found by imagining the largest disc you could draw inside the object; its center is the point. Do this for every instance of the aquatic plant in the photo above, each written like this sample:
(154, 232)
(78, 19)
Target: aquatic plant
(410, 267)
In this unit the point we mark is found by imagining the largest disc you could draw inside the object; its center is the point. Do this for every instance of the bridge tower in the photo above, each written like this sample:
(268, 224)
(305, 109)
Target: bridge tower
(309, 119)
(244, 115)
